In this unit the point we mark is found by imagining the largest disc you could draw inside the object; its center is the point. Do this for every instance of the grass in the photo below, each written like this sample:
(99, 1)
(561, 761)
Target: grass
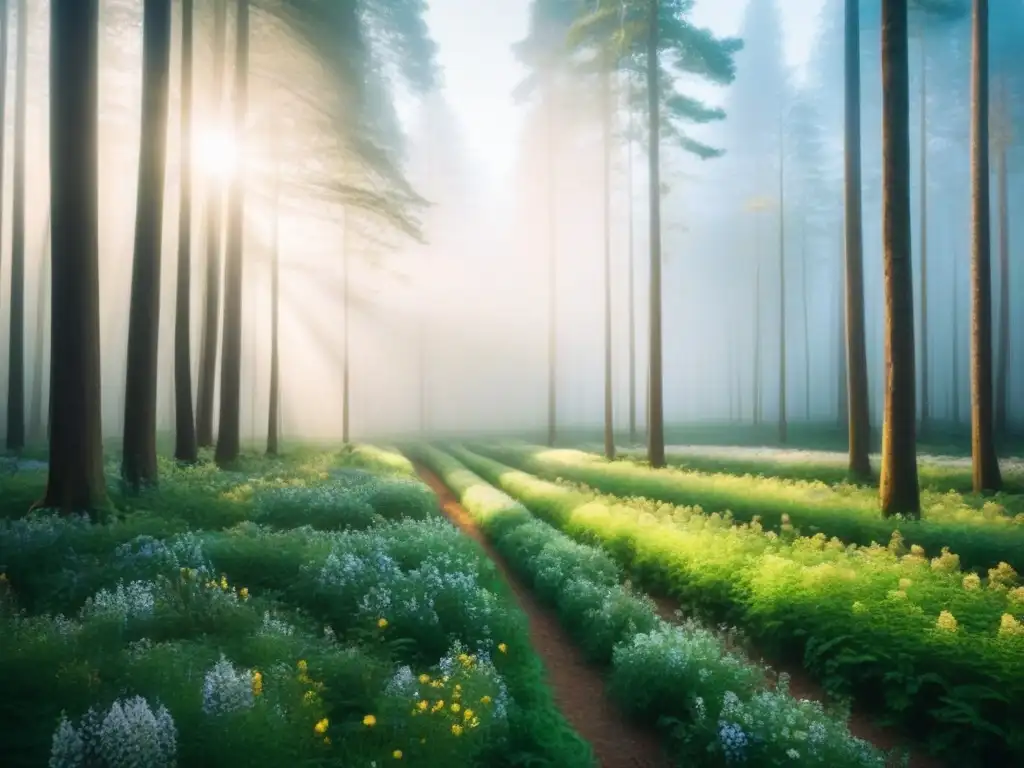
(982, 531)
(297, 611)
(713, 704)
(934, 649)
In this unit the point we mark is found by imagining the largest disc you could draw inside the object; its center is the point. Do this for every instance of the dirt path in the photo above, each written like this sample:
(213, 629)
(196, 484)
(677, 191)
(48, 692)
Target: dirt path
(579, 690)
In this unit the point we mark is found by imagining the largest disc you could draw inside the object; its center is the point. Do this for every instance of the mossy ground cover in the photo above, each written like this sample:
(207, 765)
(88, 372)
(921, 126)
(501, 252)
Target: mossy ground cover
(982, 531)
(912, 637)
(310, 610)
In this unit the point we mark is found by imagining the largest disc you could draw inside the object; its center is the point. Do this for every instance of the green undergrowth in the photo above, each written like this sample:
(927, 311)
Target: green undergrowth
(714, 705)
(298, 611)
(929, 647)
(982, 531)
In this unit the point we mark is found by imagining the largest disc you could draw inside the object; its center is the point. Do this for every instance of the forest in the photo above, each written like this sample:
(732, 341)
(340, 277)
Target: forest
(567, 383)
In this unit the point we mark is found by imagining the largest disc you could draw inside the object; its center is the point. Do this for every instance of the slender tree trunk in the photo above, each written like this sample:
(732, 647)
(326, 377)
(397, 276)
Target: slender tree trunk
(229, 431)
(213, 224)
(783, 425)
(75, 482)
(806, 321)
(1003, 207)
(898, 487)
(655, 403)
(16, 348)
(346, 399)
(756, 393)
(985, 463)
(4, 18)
(842, 402)
(926, 409)
(274, 411)
(632, 265)
(858, 409)
(36, 425)
(552, 272)
(955, 359)
(185, 426)
(138, 463)
(606, 121)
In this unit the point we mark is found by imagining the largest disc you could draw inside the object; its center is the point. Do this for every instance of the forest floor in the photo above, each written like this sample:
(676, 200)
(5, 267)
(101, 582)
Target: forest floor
(579, 689)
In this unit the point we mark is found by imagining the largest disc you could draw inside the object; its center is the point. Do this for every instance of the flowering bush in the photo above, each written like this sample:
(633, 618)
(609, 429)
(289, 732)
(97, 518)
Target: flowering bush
(129, 735)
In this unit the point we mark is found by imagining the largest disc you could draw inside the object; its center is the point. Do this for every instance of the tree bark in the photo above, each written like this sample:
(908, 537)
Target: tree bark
(16, 348)
(552, 272)
(899, 491)
(36, 425)
(185, 448)
(858, 408)
(632, 265)
(985, 463)
(138, 463)
(655, 403)
(75, 481)
(213, 224)
(606, 124)
(229, 432)
(926, 409)
(1003, 206)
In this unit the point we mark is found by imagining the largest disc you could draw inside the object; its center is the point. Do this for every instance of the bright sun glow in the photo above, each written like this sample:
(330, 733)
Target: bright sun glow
(216, 153)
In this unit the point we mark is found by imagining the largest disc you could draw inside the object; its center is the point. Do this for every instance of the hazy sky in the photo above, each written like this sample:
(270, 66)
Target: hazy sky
(475, 38)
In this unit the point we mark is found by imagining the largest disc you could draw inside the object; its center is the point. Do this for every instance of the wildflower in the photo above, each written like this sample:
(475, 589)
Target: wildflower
(397, 754)
(302, 666)
(424, 679)
(972, 581)
(456, 707)
(905, 583)
(422, 705)
(438, 705)
(467, 715)
(792, 754)
(502, 648)
(244, 593)
(369, 721)
(474, 722)
(382, 623)
(485, 699)
(456, 730)
(223, 582)
(1009, 625)
(321, 726)
(257, 683)
(947, 621)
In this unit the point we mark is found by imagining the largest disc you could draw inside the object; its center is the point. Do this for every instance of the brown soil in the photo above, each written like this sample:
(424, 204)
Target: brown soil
(579, 690)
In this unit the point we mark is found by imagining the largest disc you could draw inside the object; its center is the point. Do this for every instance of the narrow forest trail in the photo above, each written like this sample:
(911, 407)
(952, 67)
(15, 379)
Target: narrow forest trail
(578, 688)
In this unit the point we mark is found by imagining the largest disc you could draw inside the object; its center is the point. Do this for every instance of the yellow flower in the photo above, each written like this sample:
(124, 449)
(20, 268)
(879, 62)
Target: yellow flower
(947, 621)
(223, 581)
(1009, 625)
(474, 722)
(244, 593)
(424, 679)
(457, 730)
(905, 583)
(467, 715)
(972, 581)
(485, 699)
(321, 726)
(302, 666)
(397, 754)
(382, 623)
(422, 705)
(257, 683)
(456, 707)
(438, 705)
(309, 697)
(502, 648)
(369, 721)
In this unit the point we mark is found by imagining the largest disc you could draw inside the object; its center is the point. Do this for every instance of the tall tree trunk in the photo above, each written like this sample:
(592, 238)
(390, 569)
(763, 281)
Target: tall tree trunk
(75, 482)
(1003, 206)
(346, 399)
(16, 349)
(274, 410)
(858, 409)
(842, 401)
(4, 18)
(756, 393)
(185, 426)
(804, 299)
(229, 431)
(655, 403)
(606, 122)
(36, 425)
(632, 265)
(783, 426)
(985, 463)
(955, 359)
(552, 272)
(213, 224)
(138, 463)
(899, 491)
(926, 410)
